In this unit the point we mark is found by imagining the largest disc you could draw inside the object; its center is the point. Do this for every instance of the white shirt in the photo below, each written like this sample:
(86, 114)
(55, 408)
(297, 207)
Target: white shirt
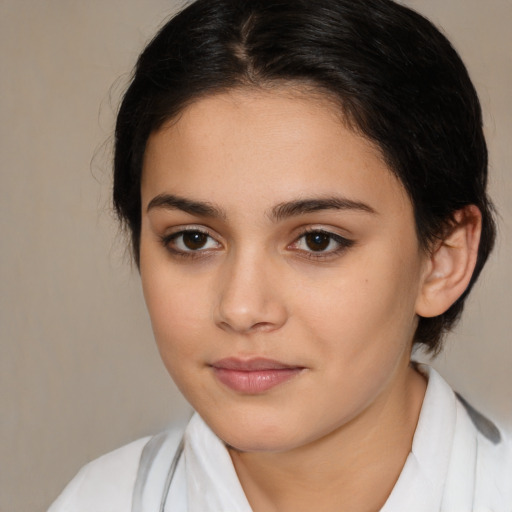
(459, 462)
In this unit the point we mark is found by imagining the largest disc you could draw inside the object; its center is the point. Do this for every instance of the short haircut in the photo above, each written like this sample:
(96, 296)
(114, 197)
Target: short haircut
(397, 80)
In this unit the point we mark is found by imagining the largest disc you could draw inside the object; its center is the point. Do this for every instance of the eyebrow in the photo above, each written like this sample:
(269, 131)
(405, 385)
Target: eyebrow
(198, 208)
(279, 212)
(304, 206)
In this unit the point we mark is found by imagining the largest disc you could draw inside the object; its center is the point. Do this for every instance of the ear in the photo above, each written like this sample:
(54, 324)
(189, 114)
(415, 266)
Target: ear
(451, 263)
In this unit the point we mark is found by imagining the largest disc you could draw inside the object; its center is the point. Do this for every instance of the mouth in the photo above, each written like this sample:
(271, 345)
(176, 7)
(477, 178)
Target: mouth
(253, 376)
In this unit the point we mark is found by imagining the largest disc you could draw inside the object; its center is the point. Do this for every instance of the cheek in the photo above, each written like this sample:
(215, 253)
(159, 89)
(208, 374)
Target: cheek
(361, 326)
(177, 308)
(369, 307)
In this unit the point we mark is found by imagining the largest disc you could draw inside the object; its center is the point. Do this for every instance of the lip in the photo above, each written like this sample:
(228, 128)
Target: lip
(253, 376)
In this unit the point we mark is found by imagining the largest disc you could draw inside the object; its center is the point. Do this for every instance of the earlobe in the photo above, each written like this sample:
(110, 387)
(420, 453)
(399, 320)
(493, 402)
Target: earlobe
(451, 263)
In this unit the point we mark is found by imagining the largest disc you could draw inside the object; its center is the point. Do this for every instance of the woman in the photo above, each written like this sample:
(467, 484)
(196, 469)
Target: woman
(305, 187)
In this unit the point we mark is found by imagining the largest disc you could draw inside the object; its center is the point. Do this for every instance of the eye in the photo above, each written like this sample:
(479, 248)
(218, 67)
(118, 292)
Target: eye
(189, 241)
(319, 243)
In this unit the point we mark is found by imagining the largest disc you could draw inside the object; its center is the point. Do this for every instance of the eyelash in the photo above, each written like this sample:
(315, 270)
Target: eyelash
(343, 244)
(167, 240)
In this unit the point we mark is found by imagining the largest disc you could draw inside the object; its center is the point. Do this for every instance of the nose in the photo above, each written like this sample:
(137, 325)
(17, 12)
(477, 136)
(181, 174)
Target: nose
(250, 298)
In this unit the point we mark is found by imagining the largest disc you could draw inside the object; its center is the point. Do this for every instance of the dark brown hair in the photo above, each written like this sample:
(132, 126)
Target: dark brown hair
(397, 80)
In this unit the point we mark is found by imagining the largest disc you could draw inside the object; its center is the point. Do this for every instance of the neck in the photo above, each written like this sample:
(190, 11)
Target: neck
(336, 471)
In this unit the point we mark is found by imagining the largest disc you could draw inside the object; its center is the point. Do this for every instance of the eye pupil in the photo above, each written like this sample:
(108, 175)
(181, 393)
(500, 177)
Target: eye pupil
(317, 241)
(194, 240)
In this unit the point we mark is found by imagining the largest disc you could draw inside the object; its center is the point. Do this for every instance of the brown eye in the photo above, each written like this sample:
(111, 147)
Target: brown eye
(189, 242)
(320, 245)
(317, 241)
(194, 240)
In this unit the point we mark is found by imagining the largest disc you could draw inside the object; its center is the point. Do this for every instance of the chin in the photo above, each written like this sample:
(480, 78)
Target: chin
(257, 435)
(262, 443)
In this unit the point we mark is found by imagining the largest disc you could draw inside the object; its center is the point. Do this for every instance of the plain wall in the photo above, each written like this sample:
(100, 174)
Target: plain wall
(80, 374)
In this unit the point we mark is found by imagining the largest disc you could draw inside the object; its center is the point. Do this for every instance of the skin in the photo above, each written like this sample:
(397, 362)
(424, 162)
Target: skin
(345, 315)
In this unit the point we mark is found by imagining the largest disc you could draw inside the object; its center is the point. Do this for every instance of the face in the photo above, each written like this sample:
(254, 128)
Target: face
(280, 266)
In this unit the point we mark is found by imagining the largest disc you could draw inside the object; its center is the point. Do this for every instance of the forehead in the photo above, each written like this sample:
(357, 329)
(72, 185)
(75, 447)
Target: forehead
(259, 146)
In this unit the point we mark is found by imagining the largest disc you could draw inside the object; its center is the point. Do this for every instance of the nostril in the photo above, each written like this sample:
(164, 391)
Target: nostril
(247, 301)
(257, 327)
(263, 327)
(244, 320)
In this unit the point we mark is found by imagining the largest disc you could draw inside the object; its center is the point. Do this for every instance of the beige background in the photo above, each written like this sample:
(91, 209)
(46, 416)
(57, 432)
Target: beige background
(79, 371)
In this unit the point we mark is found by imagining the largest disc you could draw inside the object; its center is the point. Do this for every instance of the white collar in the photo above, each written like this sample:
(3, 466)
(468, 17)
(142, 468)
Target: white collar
(212, 483)
(438, 474)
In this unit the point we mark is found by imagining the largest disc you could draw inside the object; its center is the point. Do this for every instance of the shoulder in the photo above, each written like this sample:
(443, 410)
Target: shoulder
(107, 483)
(477, 452)
(104, 484)
(493, 464)
(494, 470)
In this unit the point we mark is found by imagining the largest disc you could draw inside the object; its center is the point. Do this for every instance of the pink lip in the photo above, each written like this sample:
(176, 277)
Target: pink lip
(253, 376)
